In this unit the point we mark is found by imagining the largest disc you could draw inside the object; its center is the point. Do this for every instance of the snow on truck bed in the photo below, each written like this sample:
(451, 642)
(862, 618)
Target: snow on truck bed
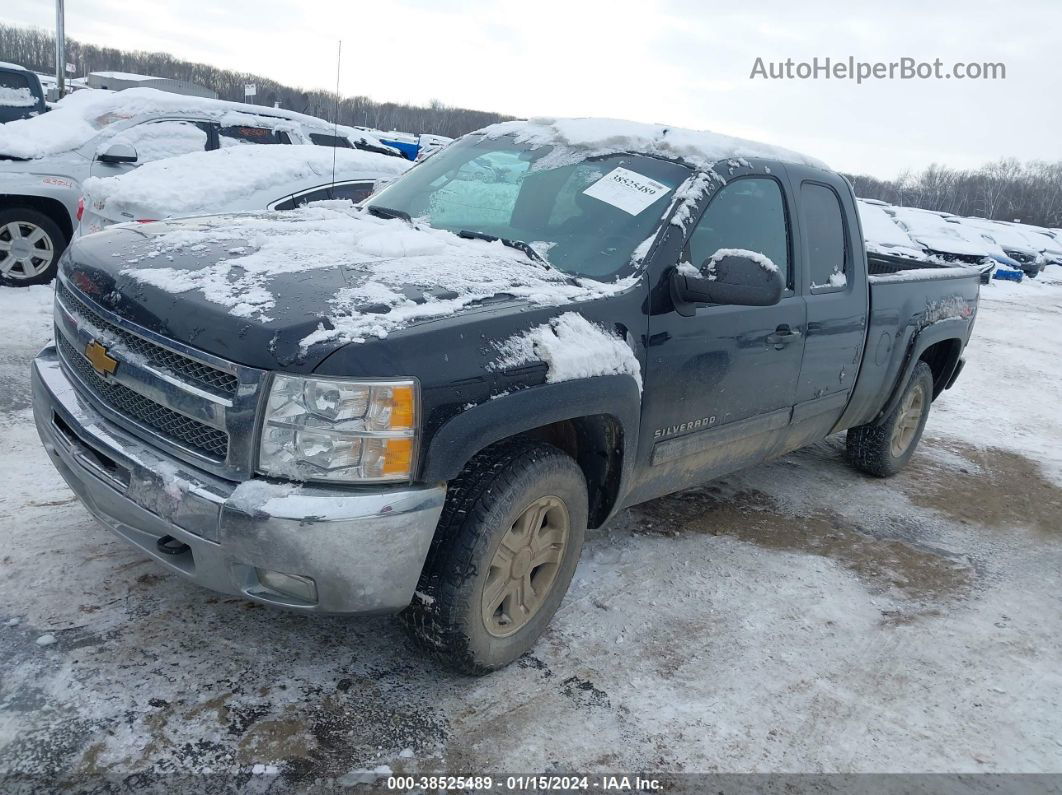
(380, 258)
(576, 139)
(201, 181)
(77, 117)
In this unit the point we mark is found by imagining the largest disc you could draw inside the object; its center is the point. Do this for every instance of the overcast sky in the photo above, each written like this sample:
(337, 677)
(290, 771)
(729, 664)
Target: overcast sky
(681, 62)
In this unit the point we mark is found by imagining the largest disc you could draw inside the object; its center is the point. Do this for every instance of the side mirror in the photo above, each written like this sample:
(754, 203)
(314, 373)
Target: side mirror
(733, 279)
(117, 153)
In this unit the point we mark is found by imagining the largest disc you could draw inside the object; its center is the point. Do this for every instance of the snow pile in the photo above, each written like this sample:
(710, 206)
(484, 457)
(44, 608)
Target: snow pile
(78, 117)
(17, 97)
(577, 139)
(572, 347)
(204, 182)
(381, 260)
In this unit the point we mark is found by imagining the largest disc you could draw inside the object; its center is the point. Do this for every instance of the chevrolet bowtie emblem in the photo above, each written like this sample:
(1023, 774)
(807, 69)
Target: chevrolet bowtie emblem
(101, 361)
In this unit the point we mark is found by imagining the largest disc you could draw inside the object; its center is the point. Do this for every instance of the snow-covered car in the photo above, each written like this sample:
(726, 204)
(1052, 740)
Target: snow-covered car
(1019, 246)
(21, 95)
(1039, 236)
(45, 159)
(982, 237)
(939, 237)
(234, 180)
(882, 235)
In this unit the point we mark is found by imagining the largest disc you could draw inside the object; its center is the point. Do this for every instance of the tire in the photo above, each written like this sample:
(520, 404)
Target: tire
(35, 262)
(883, 450)
(491, 501)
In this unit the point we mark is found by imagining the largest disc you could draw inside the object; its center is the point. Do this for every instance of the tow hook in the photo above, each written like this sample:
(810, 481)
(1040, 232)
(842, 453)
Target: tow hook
(168, 545)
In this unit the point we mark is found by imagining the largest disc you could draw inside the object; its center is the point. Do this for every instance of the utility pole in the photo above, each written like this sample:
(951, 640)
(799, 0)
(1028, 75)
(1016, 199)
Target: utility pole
(60, 47)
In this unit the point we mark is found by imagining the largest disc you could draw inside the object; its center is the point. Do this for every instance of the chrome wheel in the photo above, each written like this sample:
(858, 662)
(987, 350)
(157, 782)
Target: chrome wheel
(525, 565)
(26, 250)
(908, 421)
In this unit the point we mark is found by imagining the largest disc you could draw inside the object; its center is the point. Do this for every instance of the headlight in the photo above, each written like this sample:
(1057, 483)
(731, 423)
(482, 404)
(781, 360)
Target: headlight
(338, 430)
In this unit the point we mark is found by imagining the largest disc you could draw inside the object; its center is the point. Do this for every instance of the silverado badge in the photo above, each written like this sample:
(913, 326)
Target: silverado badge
(102, 362)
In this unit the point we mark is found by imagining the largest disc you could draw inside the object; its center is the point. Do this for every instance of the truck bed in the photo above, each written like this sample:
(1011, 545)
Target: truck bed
(928, 302)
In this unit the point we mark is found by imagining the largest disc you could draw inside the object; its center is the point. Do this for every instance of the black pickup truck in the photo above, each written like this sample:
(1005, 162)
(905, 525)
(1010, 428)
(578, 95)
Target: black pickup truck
(419, 405)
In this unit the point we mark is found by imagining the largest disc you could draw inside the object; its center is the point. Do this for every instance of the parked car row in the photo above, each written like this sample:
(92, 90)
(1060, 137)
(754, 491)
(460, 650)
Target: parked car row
(45, 160)
(1003, 249)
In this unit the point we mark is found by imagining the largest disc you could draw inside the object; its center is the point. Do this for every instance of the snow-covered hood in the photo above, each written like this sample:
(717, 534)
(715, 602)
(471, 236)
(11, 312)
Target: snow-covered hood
(226, 180)
(936, 234)
(271, 289)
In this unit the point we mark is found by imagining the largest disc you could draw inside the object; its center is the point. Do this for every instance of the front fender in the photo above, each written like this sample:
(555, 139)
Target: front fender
(460, 438)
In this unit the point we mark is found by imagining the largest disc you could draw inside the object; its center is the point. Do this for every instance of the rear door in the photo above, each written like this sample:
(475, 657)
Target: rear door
(834, 287)
(721, 384)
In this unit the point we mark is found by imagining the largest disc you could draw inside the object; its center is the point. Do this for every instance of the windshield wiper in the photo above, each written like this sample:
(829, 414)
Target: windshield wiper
(519, 245)
(387, 212)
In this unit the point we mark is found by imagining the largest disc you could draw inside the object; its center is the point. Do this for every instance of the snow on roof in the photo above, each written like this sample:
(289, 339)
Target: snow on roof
(6, 65)
(203, 182)
(380, 259)
(130, 76)
(577, 139)
(79, 116)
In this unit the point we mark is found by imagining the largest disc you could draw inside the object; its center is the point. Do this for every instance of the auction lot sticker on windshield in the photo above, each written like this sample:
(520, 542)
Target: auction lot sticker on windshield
(628, 190)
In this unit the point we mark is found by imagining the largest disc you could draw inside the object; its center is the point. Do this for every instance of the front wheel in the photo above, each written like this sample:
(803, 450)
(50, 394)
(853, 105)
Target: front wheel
(30, 246)
(884, 449)
(507, 545)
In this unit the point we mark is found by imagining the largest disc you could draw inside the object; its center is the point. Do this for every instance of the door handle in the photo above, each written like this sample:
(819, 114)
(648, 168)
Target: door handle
(782, 336)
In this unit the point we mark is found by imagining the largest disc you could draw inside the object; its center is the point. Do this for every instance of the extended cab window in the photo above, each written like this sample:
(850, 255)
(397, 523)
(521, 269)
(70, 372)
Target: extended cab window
(825, 253)
(749, 214)
(236, 135)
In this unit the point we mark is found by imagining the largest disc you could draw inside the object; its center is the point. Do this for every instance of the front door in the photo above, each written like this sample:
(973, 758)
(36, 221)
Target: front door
(721, 384)
(155, 140)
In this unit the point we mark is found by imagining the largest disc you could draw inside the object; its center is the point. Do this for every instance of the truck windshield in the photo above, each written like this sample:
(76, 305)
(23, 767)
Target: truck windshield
(585, 217)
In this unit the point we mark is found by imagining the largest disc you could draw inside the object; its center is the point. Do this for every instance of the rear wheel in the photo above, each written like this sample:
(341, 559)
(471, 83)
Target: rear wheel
(30, 246)
(883, 450)
(507, 545)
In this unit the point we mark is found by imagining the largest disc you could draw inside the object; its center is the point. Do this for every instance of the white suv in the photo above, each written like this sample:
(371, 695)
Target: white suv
(44, 160)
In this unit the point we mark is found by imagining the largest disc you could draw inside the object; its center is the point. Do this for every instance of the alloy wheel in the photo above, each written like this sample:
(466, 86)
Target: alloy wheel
(26, 250)
(525, 566)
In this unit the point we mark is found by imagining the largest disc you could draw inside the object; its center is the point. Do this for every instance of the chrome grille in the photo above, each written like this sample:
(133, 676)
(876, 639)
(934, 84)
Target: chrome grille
(176, 427)
(196, 373)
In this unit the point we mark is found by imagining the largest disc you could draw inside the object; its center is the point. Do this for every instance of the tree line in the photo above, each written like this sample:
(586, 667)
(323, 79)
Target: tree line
(1006, 190)
(35, 49)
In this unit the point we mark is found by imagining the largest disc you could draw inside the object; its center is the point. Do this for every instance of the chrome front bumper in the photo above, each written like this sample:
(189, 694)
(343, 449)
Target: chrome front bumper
(363, 550)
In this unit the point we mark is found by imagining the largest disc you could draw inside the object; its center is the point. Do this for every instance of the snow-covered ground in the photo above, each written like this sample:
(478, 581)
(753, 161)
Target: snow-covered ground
(795, 617)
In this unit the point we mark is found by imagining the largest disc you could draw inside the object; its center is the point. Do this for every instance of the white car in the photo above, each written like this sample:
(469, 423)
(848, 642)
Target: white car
(44, 160)
(235, 180)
